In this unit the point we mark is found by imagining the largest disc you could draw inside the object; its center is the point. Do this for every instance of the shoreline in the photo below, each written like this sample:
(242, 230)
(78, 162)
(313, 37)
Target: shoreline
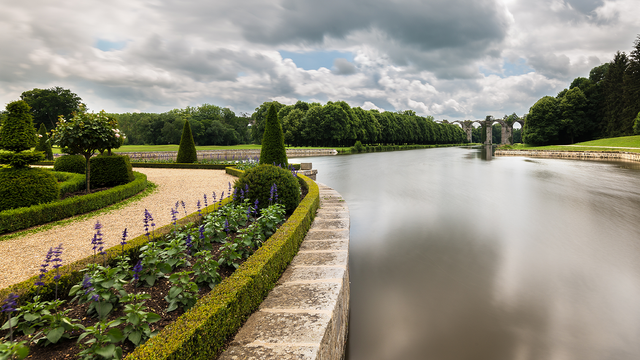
(580, 155)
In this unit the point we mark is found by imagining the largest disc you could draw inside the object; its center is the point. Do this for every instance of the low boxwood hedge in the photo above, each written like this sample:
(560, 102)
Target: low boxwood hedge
(70, 182)
(188, 166)
(202, 332)
(22, 218)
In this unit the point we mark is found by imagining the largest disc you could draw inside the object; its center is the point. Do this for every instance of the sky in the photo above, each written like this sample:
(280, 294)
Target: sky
(451, 59)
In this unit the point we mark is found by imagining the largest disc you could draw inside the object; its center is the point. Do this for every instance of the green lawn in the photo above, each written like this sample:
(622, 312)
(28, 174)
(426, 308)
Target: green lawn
(610, 144)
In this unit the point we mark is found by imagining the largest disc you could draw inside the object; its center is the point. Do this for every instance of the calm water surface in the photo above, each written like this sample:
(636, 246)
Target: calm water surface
(453, 257)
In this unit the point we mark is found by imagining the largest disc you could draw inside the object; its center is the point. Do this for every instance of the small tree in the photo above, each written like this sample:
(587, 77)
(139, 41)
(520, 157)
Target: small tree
(44, 144)
(84, 134)
(273, 151)
(17, 135)
(187, 150)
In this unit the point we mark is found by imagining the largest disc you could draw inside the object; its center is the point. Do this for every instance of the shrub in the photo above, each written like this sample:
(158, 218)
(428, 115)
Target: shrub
(187, 150)
(273, 151)
(44, 144)
(357, 147)
(25, 187)
(70, 163)
(17, 133)
(110, 170)
(260, 180)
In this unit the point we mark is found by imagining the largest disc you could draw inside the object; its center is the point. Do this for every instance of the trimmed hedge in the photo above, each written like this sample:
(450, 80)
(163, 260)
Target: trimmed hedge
(71, 182)
(187, 150)
(22, 218)
(22, 187)
(202, 332)
(259, 181)
(71, 163)
(110, 170)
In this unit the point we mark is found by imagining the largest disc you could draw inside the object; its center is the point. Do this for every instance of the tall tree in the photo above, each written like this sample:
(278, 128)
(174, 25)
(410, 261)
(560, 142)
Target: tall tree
(273, 151)
(48, 104)
(541, 124)
(572, 109)
(613, 84)
(632, 88)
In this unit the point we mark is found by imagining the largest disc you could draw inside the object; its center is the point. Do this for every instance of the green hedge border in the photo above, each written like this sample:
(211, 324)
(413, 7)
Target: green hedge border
(201, 332)
(22, 218)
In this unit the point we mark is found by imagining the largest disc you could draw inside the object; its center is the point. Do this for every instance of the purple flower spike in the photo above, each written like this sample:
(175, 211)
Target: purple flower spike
(10, 303)
(43, 267)
(87, 285)
(137, 269)
(226, 226)
(188, 243)
(95, 297)
(222, 196)
(124, 238)
(214, 197)
(57, 260)
(199, 210)
(98, 244)
(205, 200)
(201, 229)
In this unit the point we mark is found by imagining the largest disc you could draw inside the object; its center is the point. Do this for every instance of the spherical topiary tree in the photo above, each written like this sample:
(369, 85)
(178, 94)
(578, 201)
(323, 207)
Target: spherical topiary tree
(18, 135)
(44, 144)
(273, 151)
(259, 181)
(187, 150)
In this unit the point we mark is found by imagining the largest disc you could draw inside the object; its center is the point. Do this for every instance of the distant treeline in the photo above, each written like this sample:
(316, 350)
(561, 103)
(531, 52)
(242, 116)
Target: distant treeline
(210, 125)
(605, 105)
(338, 124)
(303, 124)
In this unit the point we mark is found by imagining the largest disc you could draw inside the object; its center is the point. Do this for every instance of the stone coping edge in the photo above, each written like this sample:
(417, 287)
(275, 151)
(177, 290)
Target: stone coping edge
(593, 155)
(306, 316)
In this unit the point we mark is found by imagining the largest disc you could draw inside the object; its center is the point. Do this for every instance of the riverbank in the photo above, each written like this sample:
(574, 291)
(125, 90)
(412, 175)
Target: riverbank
(582, 155)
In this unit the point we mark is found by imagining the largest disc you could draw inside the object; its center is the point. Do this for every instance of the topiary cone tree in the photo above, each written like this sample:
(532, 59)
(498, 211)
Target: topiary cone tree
(17, 135)
(44, 144)
(187, 150)
(273, 151)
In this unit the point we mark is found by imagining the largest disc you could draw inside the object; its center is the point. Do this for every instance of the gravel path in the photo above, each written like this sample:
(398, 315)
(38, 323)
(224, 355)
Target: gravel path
(20, 258)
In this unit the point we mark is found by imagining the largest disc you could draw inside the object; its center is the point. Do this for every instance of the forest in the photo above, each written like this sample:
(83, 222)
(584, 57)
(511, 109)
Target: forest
(606, 104)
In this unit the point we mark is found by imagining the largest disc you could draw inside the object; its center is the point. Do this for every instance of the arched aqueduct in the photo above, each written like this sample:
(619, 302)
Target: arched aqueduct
(507, 128)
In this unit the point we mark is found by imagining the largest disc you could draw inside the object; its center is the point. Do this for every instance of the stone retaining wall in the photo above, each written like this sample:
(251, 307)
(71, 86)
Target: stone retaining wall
(594, 155)
(226, 154)
(306, 316)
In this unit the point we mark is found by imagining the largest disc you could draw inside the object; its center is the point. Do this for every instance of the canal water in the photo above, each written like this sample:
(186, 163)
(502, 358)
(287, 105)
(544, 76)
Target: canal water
(453, 257)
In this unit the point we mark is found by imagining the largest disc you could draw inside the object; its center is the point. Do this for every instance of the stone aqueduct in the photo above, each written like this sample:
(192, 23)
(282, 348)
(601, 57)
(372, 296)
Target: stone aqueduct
(487, 123)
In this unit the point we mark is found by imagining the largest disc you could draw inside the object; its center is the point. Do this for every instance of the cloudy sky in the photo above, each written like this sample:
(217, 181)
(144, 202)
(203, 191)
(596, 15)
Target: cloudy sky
(453, 59)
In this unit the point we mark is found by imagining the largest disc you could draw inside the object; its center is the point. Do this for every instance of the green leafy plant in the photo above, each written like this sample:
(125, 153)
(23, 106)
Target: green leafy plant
(151, 263)
(56, 325)
(183, 293)
(137, 319)
(44, 145)
(102, 286)
(10, 350)
(104, 337)
(205, 269)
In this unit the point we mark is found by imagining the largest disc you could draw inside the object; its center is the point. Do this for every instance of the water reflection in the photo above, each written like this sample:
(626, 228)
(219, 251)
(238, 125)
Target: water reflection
(457, 258)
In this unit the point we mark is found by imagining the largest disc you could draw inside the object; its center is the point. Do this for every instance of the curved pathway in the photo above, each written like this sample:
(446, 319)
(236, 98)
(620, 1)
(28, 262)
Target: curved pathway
(20, 257)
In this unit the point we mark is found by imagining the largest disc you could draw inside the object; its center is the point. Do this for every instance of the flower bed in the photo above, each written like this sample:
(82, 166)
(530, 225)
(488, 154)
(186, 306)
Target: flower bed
(217, 315)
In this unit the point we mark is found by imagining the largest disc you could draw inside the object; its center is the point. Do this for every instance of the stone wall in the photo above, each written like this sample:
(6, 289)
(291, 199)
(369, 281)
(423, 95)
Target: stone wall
(306, 316)
(226, 154)
(594, 155)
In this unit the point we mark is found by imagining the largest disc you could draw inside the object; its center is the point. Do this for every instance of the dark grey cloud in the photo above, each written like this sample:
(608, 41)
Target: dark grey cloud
(551, 65)
(585, 6)
(410, 32)
(343, 67)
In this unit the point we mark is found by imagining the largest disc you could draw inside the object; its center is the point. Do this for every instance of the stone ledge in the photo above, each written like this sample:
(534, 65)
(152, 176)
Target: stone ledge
(306, 315)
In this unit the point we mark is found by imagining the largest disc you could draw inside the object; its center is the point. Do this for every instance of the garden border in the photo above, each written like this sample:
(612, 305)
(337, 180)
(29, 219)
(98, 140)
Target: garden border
(201, 332)
(23, 218)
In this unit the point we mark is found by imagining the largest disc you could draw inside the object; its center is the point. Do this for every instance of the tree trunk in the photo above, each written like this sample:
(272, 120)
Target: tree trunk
(88, 173)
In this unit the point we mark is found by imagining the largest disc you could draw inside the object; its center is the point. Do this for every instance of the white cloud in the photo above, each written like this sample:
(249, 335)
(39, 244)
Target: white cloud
(435, 57)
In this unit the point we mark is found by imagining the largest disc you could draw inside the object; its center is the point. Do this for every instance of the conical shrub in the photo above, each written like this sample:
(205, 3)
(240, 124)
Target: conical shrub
(273, 151)
(43, 144)
(187, 151)
(18, 133)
